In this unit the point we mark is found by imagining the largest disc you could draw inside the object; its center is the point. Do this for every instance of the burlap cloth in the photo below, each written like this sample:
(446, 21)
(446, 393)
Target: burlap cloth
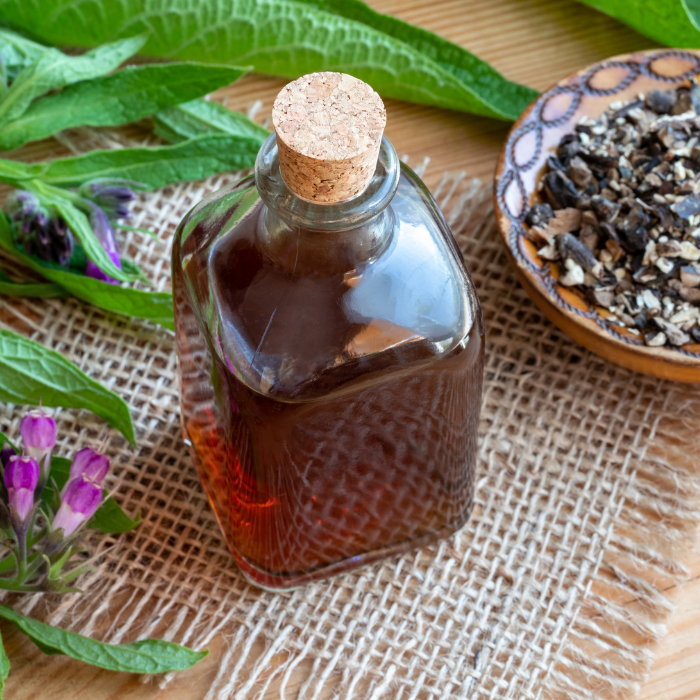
(588, 491)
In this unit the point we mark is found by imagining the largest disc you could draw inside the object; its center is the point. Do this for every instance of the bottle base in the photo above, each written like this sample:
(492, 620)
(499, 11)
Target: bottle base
(276, 583)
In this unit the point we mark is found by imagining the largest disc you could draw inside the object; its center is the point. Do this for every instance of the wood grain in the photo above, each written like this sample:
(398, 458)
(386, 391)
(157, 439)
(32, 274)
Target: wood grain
(536, 42)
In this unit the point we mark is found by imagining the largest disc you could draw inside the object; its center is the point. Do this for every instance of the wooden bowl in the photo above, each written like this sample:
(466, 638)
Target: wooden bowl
(531, 140)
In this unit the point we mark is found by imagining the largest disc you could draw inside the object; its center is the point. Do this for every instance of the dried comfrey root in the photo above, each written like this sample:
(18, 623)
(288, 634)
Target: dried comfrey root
(621, 213)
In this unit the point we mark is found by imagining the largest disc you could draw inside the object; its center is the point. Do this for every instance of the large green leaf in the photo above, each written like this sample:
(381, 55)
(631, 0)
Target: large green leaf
(663, 20)
(199, 117)
(475, 74)
(130, 94)
(278, 37)
(10, 288)
(32, 374)
(54, 70)
(151, 306)
(158, 166)
(44, 290)
(147, 656)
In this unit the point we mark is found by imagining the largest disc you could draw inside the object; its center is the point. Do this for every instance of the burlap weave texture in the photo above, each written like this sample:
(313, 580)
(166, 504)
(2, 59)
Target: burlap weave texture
(587, 489)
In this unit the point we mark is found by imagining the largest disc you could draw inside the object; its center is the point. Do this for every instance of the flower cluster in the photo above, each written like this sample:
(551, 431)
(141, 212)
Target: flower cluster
(25, 500)
(41, 231)
(45, 235)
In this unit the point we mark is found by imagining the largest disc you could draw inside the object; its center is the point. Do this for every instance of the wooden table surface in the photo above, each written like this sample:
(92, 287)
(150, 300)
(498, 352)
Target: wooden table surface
(535, 42)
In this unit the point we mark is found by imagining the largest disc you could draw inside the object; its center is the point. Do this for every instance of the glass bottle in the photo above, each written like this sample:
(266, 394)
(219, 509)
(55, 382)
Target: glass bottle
(331, 359)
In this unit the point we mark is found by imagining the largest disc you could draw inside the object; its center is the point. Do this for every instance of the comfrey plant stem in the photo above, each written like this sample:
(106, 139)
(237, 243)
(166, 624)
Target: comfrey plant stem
(22, 558)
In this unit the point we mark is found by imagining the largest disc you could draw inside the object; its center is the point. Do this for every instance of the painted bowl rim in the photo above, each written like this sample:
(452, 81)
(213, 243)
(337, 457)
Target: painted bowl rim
(537, 284)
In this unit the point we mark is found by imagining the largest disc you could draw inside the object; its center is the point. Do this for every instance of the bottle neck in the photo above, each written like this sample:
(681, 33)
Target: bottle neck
(326, 238)
(335, 216)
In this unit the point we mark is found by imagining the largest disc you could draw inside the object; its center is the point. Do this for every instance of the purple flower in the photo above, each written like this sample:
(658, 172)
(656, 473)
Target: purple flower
(92, 270)
(112, 195)
(43, 236)
(79, 502)
(90, 465)
(38, 431)
(21, 478)
(105, 235)
(82, 494)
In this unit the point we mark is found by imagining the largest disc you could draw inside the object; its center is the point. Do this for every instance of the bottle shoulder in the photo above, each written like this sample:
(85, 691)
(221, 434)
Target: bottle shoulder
(299, 332)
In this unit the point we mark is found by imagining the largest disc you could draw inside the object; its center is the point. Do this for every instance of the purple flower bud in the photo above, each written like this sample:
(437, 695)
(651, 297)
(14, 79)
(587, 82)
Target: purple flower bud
(5, 454)
(105, 235)
(38, 431)
(111, 195)
(90, 465)
(21, 204)
(79, 502)
(91, 269)
(114, 200)
(103, 229)
(21, 478)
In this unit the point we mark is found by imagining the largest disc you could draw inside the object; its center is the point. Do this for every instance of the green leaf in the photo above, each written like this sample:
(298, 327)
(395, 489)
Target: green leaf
(155, 167)
(109, 517)
(132, 268)
(54, 70)
(147, 656)
(31, 373)
(475, 75)
(17, 52)
(9, 563)
(55, 568)
(4, 439)
(692, 9)
(112, 520)
(32, 289)
(59, 471)
(29, 289)
(151, 306)
(14, 173)
(4, 668)
(58, 477)
(278, 37)
(665, 20)
(199, 117)
(130, 94)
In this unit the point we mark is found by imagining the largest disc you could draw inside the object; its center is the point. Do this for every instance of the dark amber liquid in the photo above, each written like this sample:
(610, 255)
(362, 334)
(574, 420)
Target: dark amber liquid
(341, 454)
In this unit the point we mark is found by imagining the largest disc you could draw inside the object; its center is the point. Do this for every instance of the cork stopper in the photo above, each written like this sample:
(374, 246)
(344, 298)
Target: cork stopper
(329, 129)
